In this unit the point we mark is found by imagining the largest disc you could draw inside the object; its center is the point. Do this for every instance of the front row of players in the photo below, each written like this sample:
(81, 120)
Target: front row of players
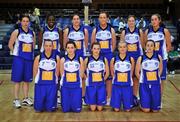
(46, 73)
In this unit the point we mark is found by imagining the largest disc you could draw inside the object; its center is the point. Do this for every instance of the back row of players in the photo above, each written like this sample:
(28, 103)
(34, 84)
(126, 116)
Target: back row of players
(107, 78)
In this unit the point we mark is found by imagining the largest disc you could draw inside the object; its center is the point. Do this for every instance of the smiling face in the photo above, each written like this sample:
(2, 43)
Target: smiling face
(122, 47)
(103, 18)
(70, 48)
(25, 22)
(51, 21)
(48, 46)
(96, 50)
(155, 20)
(76, 20)
(131, 22)
(150, 46)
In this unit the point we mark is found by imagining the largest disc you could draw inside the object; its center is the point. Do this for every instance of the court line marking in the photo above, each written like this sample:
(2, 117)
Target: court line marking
(174, 86)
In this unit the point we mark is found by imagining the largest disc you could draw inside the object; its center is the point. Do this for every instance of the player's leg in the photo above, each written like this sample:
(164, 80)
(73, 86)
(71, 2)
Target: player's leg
(101, 97)
(116, 98)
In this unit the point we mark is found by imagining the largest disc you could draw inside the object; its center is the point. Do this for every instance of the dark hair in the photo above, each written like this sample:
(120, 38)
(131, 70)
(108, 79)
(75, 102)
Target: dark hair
(71, 42)
(50, 15)
(131, 16)
(47, 40)
(75, 14)
(95, 43)
(24, 16)
(158, 15)
(104, 12)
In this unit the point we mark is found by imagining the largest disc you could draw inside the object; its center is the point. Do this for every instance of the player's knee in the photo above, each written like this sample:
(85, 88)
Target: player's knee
(99, 108)
(116, 109)
(93, 107)
(146, 110)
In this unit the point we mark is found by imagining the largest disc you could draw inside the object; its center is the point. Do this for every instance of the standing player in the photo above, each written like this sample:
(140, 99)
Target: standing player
(97, 71)
(50, 31)
(105, 35)
(22, 43)
(134, 39)
(71, 69)
(79, 35)
(161, 37)
(148, 71)
(46, 71)
(122, 68)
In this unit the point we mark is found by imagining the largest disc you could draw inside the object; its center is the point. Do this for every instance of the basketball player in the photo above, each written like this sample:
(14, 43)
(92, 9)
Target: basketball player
(148, 71)
(134, 39)
(161, 37)
(46, 71)
(21, 44)
(97, 71)
(79, 35)
(122, 68)
(105, 35)
(71, 70)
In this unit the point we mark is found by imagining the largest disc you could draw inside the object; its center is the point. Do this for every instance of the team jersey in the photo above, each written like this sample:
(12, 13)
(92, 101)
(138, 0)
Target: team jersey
(159, 38)
(24, 44)
(150, 70)
(122, 71)
(78, 37)
(52, 35)
(47, 69)
(95, 71)
(71, 76)
(133, 42)
(104, 37)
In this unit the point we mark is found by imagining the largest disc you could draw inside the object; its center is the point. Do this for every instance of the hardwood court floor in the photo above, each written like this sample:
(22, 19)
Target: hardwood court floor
(169, 112)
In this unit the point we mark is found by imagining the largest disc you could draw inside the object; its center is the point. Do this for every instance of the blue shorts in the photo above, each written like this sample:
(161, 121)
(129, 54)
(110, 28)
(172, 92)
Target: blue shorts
(71, 99)
(108, 56)
(95, 95)
(150, 96)
(164, 72)
(122, 94)
(45, 97)
(22, 70)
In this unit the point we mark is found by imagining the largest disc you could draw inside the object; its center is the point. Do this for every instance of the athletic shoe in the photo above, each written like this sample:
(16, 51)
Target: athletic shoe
(83, 101)
(17, 103)
(27, 102)
(108, 102)
(135, 101)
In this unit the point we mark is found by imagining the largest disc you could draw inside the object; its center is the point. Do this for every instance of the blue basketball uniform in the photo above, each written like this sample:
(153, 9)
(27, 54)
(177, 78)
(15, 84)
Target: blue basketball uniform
(95, 83)
(133, 43)
(160, 46)
(78, 37)
(23, 57)
(52, 34)
(149, 90)
(104, 37)
(45, 97)
(122, 83)
(71, 85)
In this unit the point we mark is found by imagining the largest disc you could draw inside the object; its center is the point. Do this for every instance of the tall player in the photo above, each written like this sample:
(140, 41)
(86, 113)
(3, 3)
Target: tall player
(22, 43)
(79, 35)
(148, 71)
(105, 35)
(161, 37)
(46, 71)
(134, 39)
(72, 71)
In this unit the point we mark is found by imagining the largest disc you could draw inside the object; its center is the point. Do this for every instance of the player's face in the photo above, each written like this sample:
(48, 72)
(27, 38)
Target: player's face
(155, 21)
(96, 50)
(76, 20)
(150, 47)
(25, 22)
(122, 48)
(70, 49)
(48, 46)
(131, 22)
(103, 19)
(51, 21)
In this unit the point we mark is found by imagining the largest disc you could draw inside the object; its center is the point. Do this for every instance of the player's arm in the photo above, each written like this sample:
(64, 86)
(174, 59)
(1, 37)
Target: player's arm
(62, 66)
(34, 39)
(106, 69)
(81, 67)
(145, 37)
(112, 67)
(160, 65)
(85, 67)
(58, 66)
(65, 37)
(142, 38)
(61, 38)
(168, 39)
(138, 67)
(12, 39)
(40, 38)
(93, 36)
(113, 39)
(123, 35)
(86, 35)
(132, 65)
(35, 66)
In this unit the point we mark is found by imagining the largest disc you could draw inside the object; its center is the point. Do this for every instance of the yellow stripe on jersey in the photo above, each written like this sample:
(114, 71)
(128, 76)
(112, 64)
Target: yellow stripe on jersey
(157, 46)
(151, 76)
(78, 44)
(122, 77)
(26, 48)
(96, 77)
(47, 75)
(71, 77)
(54, 45)
(104, 44)
(132, 47)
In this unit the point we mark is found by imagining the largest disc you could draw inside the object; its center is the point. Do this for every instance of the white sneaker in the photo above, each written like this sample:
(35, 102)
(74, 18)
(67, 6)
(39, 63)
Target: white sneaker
(17, 103)
(108, 102)
(27, 102)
